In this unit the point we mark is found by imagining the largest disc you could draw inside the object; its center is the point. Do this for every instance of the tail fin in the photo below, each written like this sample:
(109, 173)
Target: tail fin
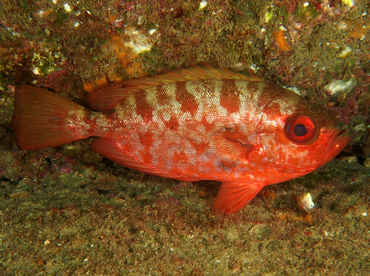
(40, 118)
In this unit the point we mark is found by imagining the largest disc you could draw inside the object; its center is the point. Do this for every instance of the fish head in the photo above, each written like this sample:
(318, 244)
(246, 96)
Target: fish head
(301, 138)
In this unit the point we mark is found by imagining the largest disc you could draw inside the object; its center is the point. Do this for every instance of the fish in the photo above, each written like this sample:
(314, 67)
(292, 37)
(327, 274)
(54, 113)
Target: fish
(191, 124)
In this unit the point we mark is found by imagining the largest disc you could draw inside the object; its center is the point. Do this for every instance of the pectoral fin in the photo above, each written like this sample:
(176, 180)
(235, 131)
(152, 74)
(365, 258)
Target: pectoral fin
(230, 151)
(234, 196)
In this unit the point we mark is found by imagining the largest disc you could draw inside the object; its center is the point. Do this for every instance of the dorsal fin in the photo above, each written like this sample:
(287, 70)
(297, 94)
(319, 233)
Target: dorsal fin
(107, 97)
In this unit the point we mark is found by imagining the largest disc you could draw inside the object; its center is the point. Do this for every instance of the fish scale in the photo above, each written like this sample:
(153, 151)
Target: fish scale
(198, 123)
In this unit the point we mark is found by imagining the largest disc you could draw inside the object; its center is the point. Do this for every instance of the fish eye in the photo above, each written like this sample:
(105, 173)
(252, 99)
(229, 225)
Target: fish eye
(300, 129)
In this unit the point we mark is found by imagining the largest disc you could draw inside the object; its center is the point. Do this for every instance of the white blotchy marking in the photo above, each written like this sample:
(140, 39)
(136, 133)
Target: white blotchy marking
(137, 147)
(174, 104)
(201, 129)
(131, 105)
(165, 111)
(248, 98)
(102, 121)
(76, 120)
(128, 111)
(151, 96)
(208, 101)
(166, 116)
(190, 152)
(154, 150)
(119, 112)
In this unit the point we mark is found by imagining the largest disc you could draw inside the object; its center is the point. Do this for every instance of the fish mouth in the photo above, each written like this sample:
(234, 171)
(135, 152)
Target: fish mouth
(341, 138)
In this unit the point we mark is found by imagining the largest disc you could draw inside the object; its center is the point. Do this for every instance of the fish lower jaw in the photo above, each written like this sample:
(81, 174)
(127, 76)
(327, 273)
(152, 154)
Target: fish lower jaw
(341, 141)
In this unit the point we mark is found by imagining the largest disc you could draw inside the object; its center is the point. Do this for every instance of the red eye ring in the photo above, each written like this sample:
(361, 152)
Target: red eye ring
(300, 129)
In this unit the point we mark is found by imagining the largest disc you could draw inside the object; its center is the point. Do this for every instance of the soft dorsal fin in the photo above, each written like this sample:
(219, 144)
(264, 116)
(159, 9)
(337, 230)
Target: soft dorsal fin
(107, 97)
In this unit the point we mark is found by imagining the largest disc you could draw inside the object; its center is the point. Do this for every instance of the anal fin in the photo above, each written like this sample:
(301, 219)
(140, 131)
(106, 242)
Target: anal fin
(234, 196)
(115, 151)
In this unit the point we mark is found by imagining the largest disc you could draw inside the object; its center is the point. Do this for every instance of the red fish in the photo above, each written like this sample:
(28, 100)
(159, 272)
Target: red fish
(195, 124)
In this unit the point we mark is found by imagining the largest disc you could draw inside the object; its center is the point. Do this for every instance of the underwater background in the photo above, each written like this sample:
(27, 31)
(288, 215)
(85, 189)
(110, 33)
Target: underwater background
(68, 210)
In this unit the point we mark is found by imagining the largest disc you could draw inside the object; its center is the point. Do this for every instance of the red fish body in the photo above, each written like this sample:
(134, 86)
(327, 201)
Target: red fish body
(194, 124)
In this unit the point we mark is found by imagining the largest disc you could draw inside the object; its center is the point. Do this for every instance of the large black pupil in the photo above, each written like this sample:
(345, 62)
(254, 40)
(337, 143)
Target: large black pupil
(300, 130)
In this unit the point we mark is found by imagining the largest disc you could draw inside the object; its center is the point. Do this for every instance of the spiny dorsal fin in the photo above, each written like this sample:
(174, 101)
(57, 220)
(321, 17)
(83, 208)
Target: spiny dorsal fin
(195, 72)
(107, 97)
